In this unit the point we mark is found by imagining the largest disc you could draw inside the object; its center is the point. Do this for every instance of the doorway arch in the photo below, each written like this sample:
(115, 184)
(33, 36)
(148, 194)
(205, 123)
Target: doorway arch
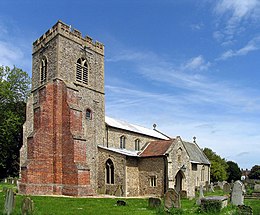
(178, 181)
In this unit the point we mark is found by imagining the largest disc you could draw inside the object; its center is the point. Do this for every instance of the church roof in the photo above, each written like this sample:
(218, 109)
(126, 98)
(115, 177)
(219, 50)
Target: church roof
(156, 148)
(121, 151)
(134, 128)
(195, 153)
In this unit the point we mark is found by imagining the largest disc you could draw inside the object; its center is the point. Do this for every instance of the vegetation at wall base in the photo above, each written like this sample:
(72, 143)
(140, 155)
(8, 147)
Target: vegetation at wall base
(70, 205)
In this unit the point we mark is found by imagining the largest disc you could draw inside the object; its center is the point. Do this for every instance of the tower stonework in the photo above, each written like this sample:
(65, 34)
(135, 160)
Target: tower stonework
(65, 115)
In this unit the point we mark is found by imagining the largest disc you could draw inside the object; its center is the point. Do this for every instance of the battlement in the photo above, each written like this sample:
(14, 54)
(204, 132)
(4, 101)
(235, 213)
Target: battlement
(71, 33)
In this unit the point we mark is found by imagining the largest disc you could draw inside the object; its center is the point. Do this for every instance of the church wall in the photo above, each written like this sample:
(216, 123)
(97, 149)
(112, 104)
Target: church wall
(150, 167)
(132, 177)
(119, 161)
(114, 135)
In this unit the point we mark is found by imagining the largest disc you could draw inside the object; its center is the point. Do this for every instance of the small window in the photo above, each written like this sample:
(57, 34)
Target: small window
(137, 145)
(88, 114)
(122, 142)
(43, 70)
(153, 181)
(194, 166)
(110, 179)
(82, 71)
(202, 173)
(179, 159)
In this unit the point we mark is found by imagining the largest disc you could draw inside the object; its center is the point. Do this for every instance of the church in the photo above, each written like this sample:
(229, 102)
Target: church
(70, 147)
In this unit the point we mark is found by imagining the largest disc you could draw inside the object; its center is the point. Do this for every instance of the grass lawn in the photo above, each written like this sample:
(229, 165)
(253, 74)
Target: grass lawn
(104, 206)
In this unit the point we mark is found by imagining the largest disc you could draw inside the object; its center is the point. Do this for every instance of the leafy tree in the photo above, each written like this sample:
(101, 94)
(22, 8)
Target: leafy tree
(218, 169)
(234, 172)
(255, 172)
(14, 89)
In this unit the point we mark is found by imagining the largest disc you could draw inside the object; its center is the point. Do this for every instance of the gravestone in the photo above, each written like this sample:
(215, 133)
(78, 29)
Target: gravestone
(207, 186)
(121, 203)
(226, 188)
(200, 196)
(154, 202)
(237, 194)
(172, 199)
(220, 184)
(183, 194)
(9, 201)
(27, 206)
(211, 189)
(257, 188)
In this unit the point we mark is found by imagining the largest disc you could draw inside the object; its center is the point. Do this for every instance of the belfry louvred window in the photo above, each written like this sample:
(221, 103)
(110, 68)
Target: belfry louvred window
(43, 70)
(82, 71)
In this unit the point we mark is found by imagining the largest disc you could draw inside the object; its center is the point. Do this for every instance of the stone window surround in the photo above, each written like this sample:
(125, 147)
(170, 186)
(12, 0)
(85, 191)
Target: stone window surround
(153, 181)
(89, 114)
(43, 69)
(82, 71)
(110, 174)
(122, 142)
(137, 144)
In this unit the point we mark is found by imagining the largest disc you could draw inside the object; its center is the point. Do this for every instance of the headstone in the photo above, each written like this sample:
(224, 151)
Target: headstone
(154, 202)
(27, 206)
(237, 197)
(220, 184)
(207, 186)
(201, 192)
(172, 199)
(9, 201)
(120, 203)
(211, 189)
(183, 194)
(198, 202)
(257, 188)
(226, 188)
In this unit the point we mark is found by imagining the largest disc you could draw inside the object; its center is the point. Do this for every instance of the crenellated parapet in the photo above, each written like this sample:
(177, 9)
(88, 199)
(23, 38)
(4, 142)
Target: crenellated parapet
(65, 30)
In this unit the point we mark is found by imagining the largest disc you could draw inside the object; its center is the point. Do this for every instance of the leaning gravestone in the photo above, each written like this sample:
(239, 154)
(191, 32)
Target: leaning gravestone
(27, 206)
(226, 188)
(237, 197)
(172, 199)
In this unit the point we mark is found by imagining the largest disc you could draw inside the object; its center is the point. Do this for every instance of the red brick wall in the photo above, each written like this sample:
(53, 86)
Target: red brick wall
(56, 161)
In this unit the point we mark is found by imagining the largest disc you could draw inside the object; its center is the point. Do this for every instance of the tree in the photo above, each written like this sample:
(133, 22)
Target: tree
(14, 90)
(234, 172)
(218, 169)
(255, 172)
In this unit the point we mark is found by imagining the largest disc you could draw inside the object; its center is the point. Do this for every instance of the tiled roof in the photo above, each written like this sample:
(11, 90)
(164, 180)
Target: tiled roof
(195, 153)
(134, 128)
(156, 148)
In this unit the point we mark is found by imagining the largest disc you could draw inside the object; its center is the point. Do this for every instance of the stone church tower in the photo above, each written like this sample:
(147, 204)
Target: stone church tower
(65, 115)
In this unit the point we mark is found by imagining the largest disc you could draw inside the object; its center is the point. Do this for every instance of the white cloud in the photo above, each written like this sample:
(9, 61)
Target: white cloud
(196, 63)
(252, 45)
(9, 54)
(236, 15)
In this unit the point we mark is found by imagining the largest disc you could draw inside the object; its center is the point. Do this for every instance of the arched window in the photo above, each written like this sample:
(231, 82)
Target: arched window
(88, 114)
(43, 70)
(110, 179)
(137, 144)
(122, 142)
(82, 71)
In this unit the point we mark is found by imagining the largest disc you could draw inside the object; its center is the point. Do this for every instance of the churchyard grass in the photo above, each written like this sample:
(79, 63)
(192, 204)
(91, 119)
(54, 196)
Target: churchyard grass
(48, 205)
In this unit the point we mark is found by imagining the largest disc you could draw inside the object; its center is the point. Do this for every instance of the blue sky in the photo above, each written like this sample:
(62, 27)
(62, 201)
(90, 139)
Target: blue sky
(190, 66)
